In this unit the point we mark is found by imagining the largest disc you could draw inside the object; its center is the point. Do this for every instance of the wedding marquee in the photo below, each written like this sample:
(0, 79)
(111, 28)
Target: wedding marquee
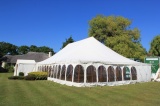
(24, 66)
(90, 63)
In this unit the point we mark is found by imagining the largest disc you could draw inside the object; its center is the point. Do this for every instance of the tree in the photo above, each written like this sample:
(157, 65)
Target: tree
(45, 49)
(23, 49)
(33, 48)
(155, 46)
(69, 40)
(7, 48)
(1, 55)
(115, 33)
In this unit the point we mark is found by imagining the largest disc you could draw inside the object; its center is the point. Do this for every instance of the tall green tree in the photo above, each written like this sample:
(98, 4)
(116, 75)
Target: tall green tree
(69, 40)
(33, 48)
(23, 49)
(45, 49)
(115, 32)
(7, 48)
(155, 46)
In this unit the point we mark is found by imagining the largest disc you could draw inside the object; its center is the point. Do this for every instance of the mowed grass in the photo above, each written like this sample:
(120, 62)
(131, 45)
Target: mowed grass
(47, 93)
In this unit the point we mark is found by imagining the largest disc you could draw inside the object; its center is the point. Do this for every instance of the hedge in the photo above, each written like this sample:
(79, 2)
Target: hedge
(16, 77)
(37, 75)
(31, 76)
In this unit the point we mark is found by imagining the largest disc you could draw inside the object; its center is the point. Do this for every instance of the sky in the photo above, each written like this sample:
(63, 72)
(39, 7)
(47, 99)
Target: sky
(50, 22)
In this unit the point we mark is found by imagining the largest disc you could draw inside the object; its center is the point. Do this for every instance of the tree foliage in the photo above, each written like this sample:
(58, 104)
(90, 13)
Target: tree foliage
(115, 32)
(7, 48)
(45, 49)
(69, 40)
(23, 49)
(33, 48)
(155, 46)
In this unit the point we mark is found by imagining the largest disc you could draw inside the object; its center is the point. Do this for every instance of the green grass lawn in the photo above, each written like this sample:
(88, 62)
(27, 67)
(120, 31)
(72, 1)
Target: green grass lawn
(47, 93)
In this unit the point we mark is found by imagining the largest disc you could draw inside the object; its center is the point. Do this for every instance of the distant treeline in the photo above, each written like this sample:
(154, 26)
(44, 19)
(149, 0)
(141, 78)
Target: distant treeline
(7, 48)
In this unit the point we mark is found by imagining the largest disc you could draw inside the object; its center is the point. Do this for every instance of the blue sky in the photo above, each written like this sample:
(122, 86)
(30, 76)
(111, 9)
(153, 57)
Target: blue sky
(50, 22)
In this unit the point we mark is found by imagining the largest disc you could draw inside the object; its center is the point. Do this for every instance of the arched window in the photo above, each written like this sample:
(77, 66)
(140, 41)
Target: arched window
(126, 73)
(69, 73)
(55, 72)
(79, 74)
(38, 68)
(111, 74)
(63, 72)
(47, 68)
(52, 72)
(43, 68)
(102, 76)
(49, 71)
(118, 74)
(58, 72)
(134, 73)
(91, 74)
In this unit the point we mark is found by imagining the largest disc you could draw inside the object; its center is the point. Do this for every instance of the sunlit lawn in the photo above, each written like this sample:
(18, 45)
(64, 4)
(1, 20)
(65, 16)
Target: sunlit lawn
(47, 93)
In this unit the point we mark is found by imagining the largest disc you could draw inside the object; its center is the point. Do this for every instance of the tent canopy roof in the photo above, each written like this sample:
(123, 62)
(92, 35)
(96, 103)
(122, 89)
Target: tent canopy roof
(86, 51)
(25, 61)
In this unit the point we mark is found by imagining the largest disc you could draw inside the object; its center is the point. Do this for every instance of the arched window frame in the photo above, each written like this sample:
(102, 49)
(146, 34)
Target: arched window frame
(91, 75)
(126, 73)
(133, 73)
(118, 73)
(102, 74)
(111, 74)
(63, 71)
(69, 73)
(79, 74)
(58, 71)
(49, 71)
(55, 71)
(52, 72)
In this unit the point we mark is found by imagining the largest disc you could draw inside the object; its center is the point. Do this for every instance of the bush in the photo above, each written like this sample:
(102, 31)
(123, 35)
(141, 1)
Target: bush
(16, 77)
(21, 74)
(2, 70)
(10, 68)
(38, 75)
(30, 77)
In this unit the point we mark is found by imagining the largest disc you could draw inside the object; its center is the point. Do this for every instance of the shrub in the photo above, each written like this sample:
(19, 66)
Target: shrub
(29, 77)
(16, 77)
(2, 70)
(38, 75)
(21, 74)
(9, 68)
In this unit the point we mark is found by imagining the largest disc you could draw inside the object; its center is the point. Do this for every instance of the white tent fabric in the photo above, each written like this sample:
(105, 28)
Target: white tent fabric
(157, 76)
(88, 51)
(24, 66)
(91, 52)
